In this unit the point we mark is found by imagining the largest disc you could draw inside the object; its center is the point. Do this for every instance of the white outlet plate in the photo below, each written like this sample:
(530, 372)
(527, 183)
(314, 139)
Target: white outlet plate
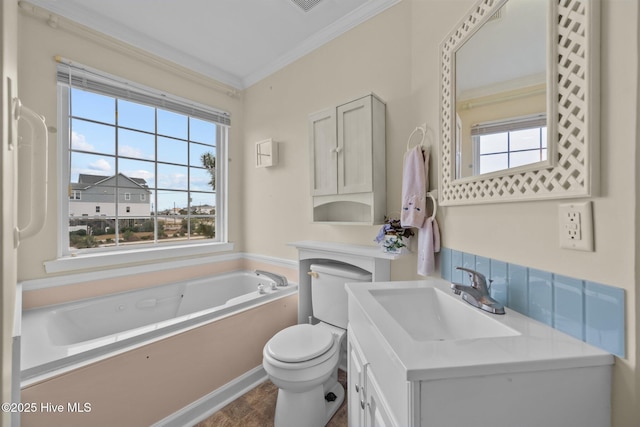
(575, 222)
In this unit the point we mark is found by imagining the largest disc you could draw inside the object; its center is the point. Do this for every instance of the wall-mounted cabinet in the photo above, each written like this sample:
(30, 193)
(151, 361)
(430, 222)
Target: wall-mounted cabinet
(347, 162)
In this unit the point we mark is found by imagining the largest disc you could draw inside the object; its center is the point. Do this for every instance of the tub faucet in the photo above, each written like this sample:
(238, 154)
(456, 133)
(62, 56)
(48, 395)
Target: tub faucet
(278, 278)
(478, 293)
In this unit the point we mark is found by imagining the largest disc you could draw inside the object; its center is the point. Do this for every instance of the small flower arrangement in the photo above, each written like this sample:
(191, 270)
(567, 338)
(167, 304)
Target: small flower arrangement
(392, 234)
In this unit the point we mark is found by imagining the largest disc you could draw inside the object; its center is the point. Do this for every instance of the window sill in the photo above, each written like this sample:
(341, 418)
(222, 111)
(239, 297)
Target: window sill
(80, 262)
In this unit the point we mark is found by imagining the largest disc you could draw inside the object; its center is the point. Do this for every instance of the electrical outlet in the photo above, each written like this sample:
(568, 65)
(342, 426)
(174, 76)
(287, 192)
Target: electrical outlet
(576, 226)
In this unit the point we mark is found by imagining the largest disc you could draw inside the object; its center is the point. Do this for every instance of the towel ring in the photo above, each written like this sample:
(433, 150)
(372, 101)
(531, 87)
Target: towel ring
(424, 133)
(435, 204)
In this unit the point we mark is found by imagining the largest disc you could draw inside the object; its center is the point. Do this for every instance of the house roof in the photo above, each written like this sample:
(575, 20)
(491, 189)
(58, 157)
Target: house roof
(86, 181)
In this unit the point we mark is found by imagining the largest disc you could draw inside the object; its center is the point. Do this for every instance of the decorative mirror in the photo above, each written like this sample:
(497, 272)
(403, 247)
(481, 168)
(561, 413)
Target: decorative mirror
(519, 100)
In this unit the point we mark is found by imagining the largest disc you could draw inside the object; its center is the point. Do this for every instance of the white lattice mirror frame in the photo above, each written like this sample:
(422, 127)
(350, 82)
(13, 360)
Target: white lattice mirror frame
(573, 117)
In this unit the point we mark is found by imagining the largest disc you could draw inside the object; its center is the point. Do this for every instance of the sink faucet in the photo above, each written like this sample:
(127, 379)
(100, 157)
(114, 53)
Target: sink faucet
(278, 278)
(478, 293)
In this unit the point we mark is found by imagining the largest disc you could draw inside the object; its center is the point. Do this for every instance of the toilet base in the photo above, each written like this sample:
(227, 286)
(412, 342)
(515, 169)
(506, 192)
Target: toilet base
(332, 407)
(309, 406)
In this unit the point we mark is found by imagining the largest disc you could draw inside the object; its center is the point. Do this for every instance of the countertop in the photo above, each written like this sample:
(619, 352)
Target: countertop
(534, 347)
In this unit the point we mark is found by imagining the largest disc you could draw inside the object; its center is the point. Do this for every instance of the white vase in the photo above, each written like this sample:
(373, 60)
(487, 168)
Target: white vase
(388, 244)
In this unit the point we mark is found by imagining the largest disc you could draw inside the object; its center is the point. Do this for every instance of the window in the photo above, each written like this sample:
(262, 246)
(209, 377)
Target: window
(160, 154)
(507, 144)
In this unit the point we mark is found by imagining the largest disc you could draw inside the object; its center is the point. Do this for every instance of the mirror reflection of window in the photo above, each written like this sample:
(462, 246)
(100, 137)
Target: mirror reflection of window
(500, 73)
(509, 143)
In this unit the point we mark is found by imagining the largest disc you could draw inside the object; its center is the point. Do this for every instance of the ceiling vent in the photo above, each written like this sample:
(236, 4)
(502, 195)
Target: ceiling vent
(498, 15)
(306, 5)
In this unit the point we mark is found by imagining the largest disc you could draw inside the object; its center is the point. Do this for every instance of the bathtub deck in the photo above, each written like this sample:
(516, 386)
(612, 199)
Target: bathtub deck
(257, 408)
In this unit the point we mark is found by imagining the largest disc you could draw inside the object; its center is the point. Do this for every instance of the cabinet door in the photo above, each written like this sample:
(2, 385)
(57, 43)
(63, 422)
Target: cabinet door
(323, 153)
(376, 413)
(355, 150)
(355, 385)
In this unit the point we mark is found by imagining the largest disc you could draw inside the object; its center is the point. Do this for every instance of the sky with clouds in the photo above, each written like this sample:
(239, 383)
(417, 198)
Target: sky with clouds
(99, 147)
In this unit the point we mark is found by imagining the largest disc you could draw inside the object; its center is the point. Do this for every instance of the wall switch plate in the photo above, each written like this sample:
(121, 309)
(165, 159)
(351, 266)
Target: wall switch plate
(576, 226)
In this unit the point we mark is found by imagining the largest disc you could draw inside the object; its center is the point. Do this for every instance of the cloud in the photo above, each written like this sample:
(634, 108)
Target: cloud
(79, 142)
(129, 151)
(176, 181)
(100, 165)
(140, 173)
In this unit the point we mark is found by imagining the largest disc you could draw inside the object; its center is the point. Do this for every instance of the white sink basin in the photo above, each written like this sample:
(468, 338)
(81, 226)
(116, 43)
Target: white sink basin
(429, 314)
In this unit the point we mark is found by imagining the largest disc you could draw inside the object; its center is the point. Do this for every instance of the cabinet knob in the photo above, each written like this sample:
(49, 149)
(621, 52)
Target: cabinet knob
(357, 388)
(362, 404)
(339, 150)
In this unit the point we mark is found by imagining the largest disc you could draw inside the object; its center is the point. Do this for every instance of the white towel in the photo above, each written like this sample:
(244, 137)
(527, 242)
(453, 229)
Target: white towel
(414, 189)
(428, 246)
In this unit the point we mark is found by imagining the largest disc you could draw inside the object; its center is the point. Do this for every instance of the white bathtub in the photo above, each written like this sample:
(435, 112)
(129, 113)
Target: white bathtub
(62, 336)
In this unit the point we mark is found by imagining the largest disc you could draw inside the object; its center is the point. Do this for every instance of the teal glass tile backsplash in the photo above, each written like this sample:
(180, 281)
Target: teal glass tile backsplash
(591, 312)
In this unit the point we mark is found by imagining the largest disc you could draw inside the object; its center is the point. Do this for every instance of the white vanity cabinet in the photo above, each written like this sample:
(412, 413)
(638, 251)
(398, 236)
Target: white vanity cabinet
(347, 162)
(367, 407)
(510, 371)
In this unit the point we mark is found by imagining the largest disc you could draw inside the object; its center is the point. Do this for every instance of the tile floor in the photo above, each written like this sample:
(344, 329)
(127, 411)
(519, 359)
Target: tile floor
(257, 407)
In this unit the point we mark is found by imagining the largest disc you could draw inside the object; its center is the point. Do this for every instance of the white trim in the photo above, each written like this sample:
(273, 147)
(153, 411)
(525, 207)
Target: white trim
(158, 53)
(151, 52)
(209, 404)
(278, 262)
(339, 27)
(113, 259)
(122, 271)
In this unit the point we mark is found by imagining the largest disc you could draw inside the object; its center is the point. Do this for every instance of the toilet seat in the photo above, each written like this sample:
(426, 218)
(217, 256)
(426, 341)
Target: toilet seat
(299, 343)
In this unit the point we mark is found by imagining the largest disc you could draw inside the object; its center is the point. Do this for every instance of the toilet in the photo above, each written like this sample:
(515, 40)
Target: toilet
(302, 360)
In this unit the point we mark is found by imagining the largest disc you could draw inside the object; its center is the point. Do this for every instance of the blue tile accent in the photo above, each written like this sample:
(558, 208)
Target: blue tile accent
(568, 314)
(445, 263)
(518, 284)
(456, 261)
(591, 312)
(541, 296)
(483, 266)
(604, 317)
(468, 261)
(499, 281)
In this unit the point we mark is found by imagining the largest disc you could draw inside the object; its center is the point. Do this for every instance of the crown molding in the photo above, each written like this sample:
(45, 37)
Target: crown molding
(102, 27)
(339, 27)
(127, 39)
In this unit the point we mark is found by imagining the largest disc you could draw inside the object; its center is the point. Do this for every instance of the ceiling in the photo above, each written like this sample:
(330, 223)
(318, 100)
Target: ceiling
(237, 42)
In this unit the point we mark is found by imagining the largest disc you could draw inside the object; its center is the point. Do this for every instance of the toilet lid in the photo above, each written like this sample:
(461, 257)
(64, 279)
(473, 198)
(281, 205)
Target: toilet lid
(299, 343)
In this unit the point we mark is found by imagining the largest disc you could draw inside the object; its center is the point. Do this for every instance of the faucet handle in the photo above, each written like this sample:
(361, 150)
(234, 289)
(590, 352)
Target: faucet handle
(477, 279)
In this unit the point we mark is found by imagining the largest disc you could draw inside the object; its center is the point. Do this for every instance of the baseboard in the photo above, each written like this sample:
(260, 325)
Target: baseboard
(214, 401)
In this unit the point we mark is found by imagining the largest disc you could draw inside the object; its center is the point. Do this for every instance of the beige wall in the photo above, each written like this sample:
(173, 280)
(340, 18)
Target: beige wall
(396, 56)
(373, 57)
(39, 43)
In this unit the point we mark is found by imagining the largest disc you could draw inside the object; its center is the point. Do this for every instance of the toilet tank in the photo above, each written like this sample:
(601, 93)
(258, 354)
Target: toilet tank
(328, 296)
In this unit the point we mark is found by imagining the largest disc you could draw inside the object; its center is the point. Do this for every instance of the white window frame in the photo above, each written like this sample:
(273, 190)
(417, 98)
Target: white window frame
(70, 259)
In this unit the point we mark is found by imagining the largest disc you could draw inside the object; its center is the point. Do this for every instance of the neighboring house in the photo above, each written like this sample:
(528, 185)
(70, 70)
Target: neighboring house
(95, 195)
(204, 209)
